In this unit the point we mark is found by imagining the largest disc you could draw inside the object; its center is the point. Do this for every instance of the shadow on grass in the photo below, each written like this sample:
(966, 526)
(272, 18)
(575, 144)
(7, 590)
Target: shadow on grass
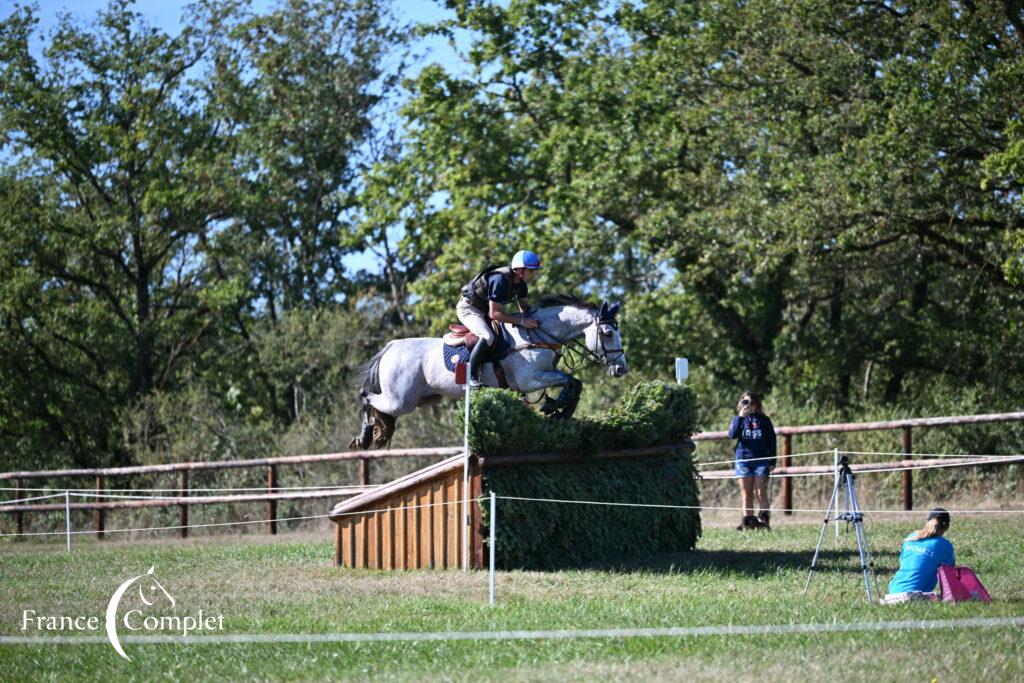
(751, 562)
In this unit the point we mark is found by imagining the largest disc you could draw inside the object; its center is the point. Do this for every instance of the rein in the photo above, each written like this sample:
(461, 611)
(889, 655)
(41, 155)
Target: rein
(583, 353)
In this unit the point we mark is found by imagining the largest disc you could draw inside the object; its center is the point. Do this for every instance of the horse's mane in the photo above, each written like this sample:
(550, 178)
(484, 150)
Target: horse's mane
(566, 300)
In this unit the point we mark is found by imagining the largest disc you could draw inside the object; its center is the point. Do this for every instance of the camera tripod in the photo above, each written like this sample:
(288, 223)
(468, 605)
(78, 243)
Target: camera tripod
(852, 515)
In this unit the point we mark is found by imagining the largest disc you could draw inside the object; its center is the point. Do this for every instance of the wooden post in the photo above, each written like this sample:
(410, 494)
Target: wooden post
(19, 518)
(100, 521)
(364, 471)
(787, 482)
(476, 529)
(908, 481)
(183, 510)
(272, 504)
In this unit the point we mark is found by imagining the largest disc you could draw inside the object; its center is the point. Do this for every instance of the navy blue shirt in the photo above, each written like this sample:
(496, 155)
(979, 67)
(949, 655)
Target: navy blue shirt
(500, 289)
(755, 438)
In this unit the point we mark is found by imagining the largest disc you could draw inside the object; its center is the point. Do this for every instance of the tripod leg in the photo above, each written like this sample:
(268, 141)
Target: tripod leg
(821, 535)
(858, 525)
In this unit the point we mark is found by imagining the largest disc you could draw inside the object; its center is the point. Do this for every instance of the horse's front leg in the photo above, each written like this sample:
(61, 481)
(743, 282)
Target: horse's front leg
(572, 389)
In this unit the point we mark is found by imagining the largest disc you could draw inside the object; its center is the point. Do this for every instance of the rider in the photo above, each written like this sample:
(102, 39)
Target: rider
(485, 297)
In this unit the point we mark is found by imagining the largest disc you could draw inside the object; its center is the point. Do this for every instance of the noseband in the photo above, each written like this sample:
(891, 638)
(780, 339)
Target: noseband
(604, 358)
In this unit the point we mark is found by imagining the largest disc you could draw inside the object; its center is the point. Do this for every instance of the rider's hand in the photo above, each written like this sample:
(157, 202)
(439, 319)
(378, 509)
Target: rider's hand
(530, 323)
(744, 411)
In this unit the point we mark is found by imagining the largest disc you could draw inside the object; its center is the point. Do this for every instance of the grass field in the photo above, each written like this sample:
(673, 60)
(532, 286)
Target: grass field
(289, 586)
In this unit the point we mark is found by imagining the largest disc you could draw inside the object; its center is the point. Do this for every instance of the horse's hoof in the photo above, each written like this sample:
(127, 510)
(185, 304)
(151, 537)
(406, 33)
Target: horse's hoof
(549, 406)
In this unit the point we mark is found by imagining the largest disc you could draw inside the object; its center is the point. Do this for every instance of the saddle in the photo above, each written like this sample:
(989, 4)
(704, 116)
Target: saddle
(459, 335)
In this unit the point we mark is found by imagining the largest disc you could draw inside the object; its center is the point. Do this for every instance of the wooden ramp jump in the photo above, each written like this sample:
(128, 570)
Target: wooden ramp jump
(416, 521)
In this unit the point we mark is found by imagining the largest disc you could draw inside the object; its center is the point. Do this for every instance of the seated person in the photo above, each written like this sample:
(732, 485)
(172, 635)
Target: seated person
(922, 553)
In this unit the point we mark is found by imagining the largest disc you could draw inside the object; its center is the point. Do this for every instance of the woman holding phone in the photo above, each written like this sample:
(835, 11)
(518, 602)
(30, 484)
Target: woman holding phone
(755, 459)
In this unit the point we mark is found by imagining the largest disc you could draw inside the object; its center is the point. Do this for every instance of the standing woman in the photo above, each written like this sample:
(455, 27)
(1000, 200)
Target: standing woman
(755, 459)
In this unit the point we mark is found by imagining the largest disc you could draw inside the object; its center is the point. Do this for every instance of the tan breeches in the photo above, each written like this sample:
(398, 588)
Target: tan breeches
(471, 317)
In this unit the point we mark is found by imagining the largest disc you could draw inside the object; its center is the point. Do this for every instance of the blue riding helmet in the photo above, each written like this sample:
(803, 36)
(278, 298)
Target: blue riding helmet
(526, 259)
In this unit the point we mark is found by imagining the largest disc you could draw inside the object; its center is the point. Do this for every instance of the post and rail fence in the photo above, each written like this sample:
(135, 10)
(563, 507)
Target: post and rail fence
(906, 426)
(275, 493)
(184, 499)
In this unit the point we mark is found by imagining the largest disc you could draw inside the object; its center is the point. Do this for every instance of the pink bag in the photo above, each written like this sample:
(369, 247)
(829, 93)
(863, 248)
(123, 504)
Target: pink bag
(961, 584)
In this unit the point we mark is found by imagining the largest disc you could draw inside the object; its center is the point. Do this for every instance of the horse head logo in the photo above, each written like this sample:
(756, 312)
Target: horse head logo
(150, 591)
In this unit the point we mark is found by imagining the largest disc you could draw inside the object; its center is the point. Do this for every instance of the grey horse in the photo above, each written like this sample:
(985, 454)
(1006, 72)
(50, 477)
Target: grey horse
(409, 373)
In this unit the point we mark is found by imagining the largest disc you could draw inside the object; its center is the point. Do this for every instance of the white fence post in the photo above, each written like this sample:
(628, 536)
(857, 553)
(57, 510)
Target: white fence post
(67, 513)
(465, 485)
(494, 525)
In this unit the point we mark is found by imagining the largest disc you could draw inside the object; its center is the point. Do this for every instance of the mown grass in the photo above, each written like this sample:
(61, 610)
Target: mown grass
(289, 586)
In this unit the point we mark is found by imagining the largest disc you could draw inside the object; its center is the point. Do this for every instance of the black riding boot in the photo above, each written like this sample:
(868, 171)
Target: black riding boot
(476, 359)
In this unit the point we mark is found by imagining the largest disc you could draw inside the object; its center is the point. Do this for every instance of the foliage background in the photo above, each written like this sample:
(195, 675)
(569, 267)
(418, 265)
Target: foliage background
(820, 201)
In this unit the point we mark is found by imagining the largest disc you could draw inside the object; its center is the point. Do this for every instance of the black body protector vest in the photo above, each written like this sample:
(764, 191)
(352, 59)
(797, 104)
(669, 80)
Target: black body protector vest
(476, 291)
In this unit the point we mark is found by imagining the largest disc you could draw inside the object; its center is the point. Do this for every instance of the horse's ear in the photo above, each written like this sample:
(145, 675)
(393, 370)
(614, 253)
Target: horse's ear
(614, 310)
(603, 313)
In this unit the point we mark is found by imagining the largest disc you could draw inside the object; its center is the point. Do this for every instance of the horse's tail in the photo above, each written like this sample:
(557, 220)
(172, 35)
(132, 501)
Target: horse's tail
(370, 373)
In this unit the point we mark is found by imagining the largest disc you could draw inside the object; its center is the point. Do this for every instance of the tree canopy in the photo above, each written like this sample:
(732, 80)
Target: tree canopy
(819, 200)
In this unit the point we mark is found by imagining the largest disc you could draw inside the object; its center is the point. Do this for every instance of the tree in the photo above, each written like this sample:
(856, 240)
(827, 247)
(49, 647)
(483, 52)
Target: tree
(803, 185)
(104, 219)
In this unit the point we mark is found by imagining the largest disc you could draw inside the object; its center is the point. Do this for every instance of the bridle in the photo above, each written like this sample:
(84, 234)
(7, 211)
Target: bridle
(576, 353)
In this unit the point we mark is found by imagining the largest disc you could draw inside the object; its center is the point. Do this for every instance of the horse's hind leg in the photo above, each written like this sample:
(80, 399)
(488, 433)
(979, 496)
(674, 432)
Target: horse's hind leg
(365, 436)
(383, 429)
(376, 430)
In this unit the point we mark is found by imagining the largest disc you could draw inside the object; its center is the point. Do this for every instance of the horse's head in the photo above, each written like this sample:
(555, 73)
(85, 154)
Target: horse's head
(604, 340)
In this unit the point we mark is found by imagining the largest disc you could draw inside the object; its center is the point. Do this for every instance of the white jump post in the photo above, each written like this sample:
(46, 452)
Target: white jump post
(494, 524)
(67, 516)
(465, 485)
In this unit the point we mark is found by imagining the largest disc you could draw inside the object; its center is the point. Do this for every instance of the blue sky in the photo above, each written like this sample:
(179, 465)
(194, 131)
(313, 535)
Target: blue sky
(167, 15)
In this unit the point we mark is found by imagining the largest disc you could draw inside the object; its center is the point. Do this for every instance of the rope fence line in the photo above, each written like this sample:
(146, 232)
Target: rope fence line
(934, 455)
(733, 509)
(982, 460)
(254, 521)
(192, 488)
(994, 457)
(732, 460)
(977, 460)
(164, 528)
(866, 469)
(481, 499)
(539, 635)
(1011, 459)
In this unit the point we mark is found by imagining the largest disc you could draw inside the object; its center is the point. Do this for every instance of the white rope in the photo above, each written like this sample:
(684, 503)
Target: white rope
(200, 498)
(257, 521)
(25, 500)
(714, 507)
(900, 453)
(164, 528)
(792, 455)
(519, 498)
(172, 490)
(932, 455)
(561, 634)
(908, 468)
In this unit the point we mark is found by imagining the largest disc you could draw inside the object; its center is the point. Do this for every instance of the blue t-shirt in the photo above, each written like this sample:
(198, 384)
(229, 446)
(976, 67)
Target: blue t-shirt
(919, 564)
(502, 290)
(755, 438)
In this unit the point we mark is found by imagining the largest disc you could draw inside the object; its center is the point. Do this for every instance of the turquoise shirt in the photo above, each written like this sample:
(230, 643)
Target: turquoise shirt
(919, 564)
